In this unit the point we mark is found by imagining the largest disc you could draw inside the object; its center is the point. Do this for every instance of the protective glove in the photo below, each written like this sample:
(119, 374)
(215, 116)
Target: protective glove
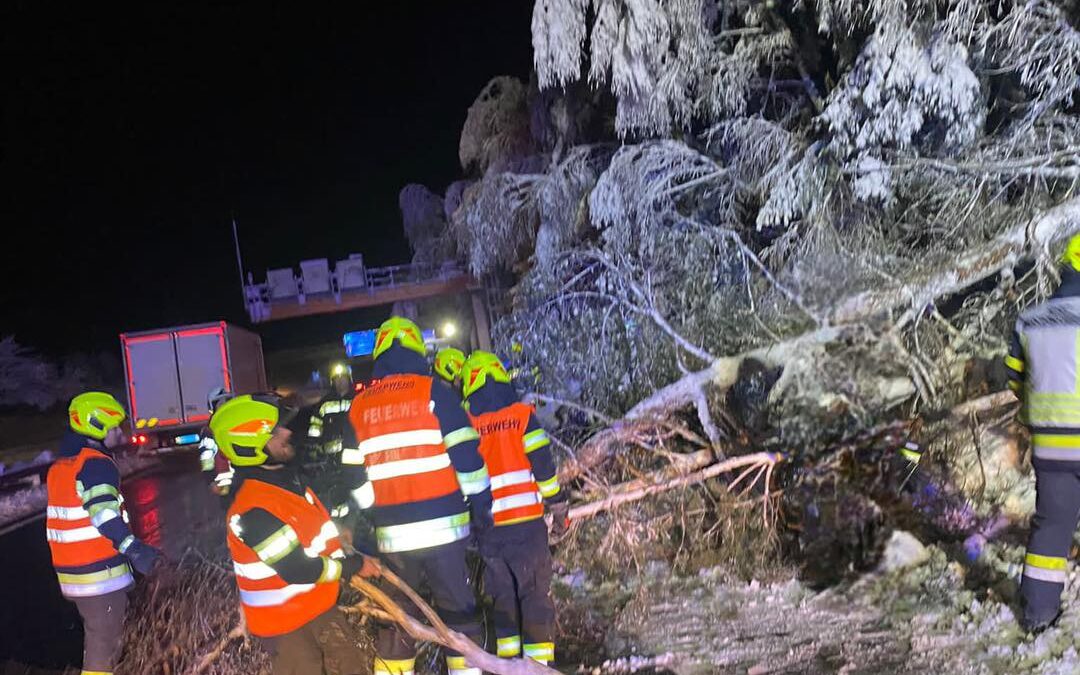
(144, 558)
(365, 566)
(560, 517)
(480, 519)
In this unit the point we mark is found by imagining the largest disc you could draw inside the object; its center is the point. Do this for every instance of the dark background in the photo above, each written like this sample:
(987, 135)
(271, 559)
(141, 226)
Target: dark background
(132, 135)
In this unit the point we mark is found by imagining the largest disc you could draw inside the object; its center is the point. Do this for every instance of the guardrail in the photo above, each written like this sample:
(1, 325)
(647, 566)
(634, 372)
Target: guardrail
(349, 278)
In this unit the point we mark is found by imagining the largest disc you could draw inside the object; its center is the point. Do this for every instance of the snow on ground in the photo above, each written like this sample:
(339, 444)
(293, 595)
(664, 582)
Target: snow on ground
(932, 615)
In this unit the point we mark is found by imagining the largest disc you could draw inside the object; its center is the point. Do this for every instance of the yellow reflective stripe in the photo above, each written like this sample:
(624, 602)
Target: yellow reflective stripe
(331, 571)
(95, 672)
(1056, 440)
(1016, 386)
(456, 662)
(95, 583)
(277, 545)
(94, 509)
(473, 482)
(1045, 562)
(94, 577)
(335, 407)
(99, 490)
(460, 436)
(540, 651)
(508, 647)
(514, 521)
(549, 488)
(352, 457)
(1014, 363)
(534, 440)
(393, 666)
(911, 455)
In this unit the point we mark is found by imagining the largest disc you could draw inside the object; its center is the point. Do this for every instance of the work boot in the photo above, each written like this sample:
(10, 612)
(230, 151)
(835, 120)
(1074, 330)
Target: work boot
(1036, 626)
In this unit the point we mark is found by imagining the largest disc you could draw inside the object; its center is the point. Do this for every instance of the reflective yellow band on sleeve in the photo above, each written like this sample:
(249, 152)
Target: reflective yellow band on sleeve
(1014, 363)
(474, 482)
(277, 545)
(534, 440)
(549, 488)
(1045, 562)
(459, 436)
(1056, 440)
(99, 490)
(331, 571)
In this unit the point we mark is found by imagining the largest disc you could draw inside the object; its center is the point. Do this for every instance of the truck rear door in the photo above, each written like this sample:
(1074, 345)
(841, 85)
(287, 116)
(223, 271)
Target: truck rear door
(152, 378)
(201, 356)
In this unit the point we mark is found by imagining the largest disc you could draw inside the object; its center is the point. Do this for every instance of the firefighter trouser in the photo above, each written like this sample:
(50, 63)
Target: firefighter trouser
(1057, 509)
(103, 629)
(447, 575)
(517, 576)
(322, 645)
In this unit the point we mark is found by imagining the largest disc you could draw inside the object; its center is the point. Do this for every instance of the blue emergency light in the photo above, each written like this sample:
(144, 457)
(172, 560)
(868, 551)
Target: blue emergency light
(359, 343)
(187, 439)
(362, 342)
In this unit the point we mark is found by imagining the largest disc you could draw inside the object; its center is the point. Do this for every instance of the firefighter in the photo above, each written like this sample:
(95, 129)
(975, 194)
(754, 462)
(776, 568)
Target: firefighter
(286, 551)
(418, 473)
(517, 561)
(327, 427)
(1043, 367)
(210, 459)
(448, 364)
(93, 549)
(329, 422)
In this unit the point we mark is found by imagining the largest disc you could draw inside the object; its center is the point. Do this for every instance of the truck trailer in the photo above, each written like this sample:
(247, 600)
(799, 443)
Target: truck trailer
(170, 372)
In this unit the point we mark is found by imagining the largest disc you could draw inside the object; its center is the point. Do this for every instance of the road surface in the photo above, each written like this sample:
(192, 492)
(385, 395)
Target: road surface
(172, 509)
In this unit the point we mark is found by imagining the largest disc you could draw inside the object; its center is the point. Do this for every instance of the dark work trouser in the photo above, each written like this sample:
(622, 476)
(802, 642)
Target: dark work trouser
(447, 575)
(517, 576)
(1057, 509)
(323, 645)
(103, 629)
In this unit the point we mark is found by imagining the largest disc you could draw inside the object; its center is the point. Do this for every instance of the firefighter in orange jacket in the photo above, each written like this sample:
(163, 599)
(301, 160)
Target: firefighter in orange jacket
(517, 452)
(92, 547)
(286, 550)
(418, 475)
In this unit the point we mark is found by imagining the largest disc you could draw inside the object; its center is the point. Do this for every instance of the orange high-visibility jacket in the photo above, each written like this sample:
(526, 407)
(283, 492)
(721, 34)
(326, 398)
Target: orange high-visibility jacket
(515, 495)
(271, 605)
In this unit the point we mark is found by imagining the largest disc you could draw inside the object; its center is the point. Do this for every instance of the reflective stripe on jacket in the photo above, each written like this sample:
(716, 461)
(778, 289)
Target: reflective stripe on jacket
(515, 495)
(271, 605)
(400, 444)
(1049, 335)
(72, 530)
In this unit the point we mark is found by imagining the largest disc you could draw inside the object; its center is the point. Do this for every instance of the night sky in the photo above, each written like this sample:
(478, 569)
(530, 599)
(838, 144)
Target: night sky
(129, 139)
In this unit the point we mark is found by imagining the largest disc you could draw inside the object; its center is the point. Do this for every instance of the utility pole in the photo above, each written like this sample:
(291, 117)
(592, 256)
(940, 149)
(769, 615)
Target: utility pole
(239, 262)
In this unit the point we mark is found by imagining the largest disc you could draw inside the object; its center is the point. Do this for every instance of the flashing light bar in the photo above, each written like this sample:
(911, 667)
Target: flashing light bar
(187, 439)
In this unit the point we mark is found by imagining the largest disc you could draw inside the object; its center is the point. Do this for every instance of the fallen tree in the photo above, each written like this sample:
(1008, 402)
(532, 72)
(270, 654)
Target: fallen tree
(438, 631)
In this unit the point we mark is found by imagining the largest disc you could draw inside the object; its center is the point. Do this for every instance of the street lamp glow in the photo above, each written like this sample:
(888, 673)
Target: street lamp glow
(449, 329)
